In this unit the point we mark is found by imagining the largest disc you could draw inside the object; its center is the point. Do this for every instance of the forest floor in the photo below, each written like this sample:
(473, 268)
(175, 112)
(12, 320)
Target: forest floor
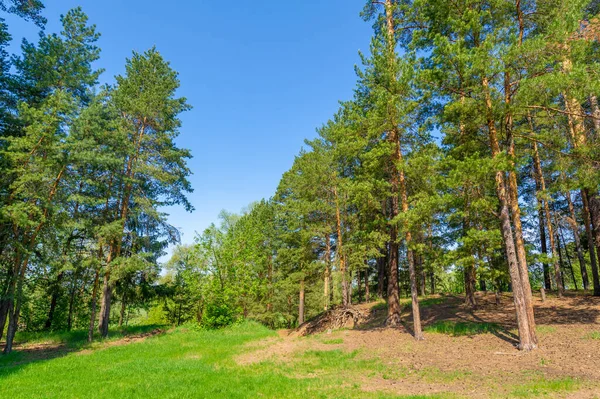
(466, 354)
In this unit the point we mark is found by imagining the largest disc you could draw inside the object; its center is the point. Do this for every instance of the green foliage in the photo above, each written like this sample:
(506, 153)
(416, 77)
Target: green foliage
(217, 315)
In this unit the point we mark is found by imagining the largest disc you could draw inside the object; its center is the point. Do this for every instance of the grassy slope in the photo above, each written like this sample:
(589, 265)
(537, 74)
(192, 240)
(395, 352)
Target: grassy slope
(185, 364)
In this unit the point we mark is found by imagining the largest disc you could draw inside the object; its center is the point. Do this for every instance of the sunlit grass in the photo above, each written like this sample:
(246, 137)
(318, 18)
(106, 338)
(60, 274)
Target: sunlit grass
(186, 363)
(543, 387)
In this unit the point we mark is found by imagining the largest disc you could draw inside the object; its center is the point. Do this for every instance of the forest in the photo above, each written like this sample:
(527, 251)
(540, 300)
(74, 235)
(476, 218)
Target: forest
(467, 160)
(466, 165)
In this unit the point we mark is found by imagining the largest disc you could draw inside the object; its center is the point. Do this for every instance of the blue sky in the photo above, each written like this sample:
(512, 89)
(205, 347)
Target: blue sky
(261, 76)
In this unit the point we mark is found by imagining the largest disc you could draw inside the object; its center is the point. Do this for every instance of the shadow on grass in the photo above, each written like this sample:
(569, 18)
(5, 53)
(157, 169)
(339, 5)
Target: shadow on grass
(42, 346)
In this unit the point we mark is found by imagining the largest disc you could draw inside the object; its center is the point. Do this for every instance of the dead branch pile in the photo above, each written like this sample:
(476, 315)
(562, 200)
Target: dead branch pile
(333, 319)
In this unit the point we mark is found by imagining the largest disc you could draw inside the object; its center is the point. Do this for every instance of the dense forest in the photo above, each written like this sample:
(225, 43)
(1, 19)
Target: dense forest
(467, 160)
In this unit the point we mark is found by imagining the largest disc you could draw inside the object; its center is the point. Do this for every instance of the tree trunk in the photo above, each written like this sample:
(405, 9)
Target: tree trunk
(14, 310)
(470, 280)
(541, 222)
(575, 228)
(527, 337)
(591, 244)
(367, 288)
(381, 263)
(340, 252)
(4, 307)
(301, 304)
(53, 301)
(548, 217)
(560, 236)
(513, 203)
(326, 284)
(270, 284)
(122, 313)
(423, 276)
(105, 305)
(94, 302)
(71, 305)
(359, 286)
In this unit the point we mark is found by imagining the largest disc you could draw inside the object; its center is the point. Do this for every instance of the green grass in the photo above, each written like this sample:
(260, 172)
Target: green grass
(188, 364)
(545, 330)
(543, 387)
(462, 328)
(77, 338)
(333, 341)
(593, 335)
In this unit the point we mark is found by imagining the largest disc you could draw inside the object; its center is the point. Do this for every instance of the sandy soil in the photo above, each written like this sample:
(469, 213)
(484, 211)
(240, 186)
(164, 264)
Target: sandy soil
(478, 366)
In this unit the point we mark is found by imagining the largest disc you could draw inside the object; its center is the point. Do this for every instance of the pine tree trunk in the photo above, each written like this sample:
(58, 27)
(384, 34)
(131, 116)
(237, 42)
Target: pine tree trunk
(470, 280)
(71, 305)
(15, 305)
(423, 276)
(105, 306)
(416, 312)
(301, 304)
(527, 337)
(53, 301)
(575, 228)
(4, 307)
(327, 276)
(367, 288)
(591, 244)
(359, 286)
(513, 203)
(594, 205)
(340, 252)
(393, 294)
(381, 263)
(537, 169)
(122, 313)
(548, 217)
(94, 305)
(270, 284)
(560, 236)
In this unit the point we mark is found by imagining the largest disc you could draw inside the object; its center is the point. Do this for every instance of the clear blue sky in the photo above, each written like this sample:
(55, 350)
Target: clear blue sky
(261, 76)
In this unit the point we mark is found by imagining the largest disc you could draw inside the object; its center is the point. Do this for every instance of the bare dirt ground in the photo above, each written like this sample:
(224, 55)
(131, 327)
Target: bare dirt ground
(476, 366)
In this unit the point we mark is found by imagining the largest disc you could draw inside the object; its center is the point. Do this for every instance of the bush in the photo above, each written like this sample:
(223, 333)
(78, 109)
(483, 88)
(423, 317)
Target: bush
(217, 315)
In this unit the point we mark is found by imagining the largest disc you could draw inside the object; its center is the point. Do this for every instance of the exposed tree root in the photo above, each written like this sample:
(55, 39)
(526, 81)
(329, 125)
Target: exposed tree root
(333, 319)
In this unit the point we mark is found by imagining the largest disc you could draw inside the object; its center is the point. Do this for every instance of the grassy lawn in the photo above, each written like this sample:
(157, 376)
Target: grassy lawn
(184, 364)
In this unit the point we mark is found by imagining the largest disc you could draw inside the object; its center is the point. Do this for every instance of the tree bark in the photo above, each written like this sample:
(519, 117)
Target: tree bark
(548, 218)
(94, 305)
(367, 288)
(122, 313)
(575, 228)
(301, 304)
(381, 263)
(527, 337)
(541, 222)
(105, 305)
(53, 301)
(470, 280)
(591, 244)
(4, 307)
(340, 251)
(513, 203)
